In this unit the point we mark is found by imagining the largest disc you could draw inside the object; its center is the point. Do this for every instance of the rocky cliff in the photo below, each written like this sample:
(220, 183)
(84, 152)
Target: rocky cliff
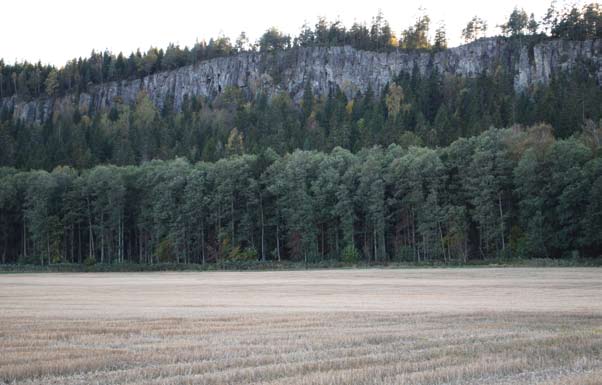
(325, 69)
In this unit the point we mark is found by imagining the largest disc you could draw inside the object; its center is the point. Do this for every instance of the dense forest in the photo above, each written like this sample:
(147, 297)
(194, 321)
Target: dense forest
(515, 192)
(414, 109)
(417, 173)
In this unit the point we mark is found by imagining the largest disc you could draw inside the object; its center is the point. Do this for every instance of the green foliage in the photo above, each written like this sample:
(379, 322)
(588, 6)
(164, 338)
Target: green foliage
(165, 251)
(475, 29)
(28, 260)
(248, 254)
(415, 109)
(416, 36)
(273, 40)
(350, 254)
(440, 40)
(576, 24)
(517, 23)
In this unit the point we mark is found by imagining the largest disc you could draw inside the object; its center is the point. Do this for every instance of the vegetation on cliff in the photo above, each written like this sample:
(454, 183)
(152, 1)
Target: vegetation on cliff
(33, 80)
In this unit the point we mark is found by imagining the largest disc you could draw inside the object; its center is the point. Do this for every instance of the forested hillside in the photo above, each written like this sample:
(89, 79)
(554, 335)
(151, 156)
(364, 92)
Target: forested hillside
(434, 99)
(431, 111)
(433, 167)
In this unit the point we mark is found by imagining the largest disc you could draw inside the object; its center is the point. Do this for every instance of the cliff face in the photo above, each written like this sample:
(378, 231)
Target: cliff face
(325, 69)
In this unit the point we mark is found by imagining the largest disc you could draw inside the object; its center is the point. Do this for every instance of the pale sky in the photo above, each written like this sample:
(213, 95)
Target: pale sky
(55, 31)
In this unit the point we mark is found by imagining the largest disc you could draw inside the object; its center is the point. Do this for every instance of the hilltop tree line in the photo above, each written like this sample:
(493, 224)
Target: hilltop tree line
(505, 193)
(32, 80)
(415, 109)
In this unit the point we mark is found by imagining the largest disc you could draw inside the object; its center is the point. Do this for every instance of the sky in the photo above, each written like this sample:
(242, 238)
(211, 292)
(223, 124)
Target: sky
(54, 31)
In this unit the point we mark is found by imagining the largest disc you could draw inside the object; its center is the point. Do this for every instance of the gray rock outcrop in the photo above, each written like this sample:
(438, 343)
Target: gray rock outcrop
(325, 68)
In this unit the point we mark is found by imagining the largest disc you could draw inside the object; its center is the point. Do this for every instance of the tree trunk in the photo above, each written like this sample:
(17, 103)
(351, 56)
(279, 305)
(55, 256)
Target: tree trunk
(323, 242)
(262, 228)
(481, 244)
(139, 246)
(91, 233)
(383, 243)
(47, 248)
(414, 248)
(102, 238)
(465, 249)
(499, 200)
(278, 241)
(72, 243)
(79, 243)
(374, 243)
(5, 244)
(442, 242)
(366, 248)
(203, 240)
(24, 239)
(336, 239)
(119, 239)
(232, 220)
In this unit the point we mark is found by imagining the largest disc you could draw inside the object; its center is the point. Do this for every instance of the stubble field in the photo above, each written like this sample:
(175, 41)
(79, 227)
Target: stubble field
(431, 326)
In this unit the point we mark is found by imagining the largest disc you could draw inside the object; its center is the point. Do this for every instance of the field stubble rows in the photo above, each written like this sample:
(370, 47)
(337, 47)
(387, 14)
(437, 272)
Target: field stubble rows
(448, 326)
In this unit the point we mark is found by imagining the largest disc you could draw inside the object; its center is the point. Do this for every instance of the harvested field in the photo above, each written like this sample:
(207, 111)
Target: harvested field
(418, 326)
